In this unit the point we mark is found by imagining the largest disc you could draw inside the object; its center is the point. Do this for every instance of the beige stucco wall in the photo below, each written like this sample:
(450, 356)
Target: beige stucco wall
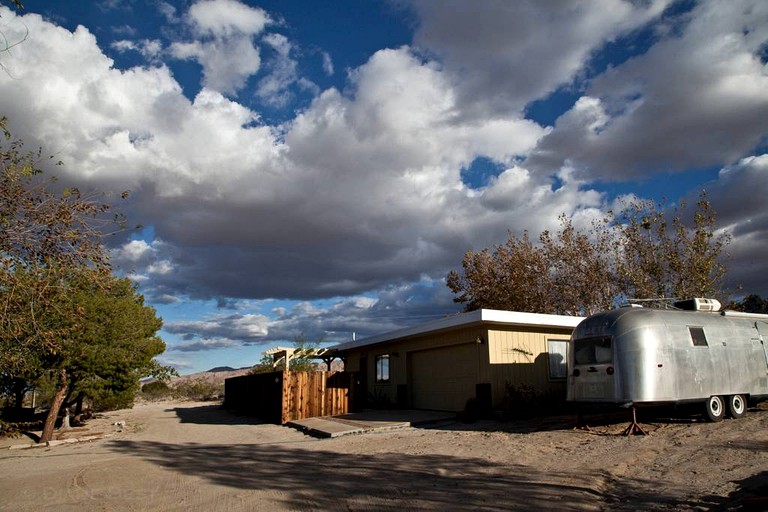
(506, 354)
(399, 350)
(520, 357)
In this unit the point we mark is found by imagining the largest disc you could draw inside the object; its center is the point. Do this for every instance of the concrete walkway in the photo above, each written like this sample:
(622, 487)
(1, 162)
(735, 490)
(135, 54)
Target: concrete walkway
(368, 421)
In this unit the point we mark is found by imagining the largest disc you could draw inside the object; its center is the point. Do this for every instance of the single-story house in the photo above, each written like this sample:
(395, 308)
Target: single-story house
(441, 365)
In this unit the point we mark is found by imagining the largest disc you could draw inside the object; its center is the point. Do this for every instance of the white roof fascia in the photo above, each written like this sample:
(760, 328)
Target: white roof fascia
(490, 316)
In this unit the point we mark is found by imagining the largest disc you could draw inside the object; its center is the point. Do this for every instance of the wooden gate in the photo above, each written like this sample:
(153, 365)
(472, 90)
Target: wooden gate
(280, 397)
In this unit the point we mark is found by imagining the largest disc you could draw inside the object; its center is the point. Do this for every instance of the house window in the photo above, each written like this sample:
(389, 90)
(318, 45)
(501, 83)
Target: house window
(557, 349)
(382, 368)
(698, 337)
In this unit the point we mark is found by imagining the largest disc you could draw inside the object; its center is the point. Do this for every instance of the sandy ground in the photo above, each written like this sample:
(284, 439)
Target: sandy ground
(194, 456)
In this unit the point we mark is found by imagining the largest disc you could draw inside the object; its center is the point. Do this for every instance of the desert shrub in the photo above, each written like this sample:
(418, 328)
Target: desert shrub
(199, 389)
(13, 429)
(6, 429)
(522, 400)
(155, 390)
(13, 421)
(262, 368)
(379, 399)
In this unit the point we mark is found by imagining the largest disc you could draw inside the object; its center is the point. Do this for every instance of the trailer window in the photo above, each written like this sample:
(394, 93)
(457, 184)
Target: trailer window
(698, 337)
(593, 350)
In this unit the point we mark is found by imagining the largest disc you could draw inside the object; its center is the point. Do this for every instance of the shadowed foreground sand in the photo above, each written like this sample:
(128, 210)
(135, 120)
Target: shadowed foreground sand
(194, 456)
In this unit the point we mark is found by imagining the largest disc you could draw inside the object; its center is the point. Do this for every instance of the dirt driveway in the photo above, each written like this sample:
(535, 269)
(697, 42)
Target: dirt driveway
(193, 456)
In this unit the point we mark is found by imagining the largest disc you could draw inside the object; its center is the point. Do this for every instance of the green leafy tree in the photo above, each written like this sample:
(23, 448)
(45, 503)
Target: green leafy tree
(301, 360)
(265, 365)
(49, 237)
(635, 253)
(114, 345)
(303, 355)
(108, 347)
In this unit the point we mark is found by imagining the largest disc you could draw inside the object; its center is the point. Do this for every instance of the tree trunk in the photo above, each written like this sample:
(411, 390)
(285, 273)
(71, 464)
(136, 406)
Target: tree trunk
(19, 388)
(58, 399)
(79, 403)
(65, 420)
(68, 397)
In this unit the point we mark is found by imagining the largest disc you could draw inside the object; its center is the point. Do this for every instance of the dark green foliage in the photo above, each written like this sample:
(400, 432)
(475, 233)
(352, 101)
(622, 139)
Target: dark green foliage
(115, 347)
(752, 304)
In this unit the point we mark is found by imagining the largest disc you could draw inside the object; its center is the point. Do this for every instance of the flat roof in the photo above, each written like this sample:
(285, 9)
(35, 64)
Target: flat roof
(480, 316)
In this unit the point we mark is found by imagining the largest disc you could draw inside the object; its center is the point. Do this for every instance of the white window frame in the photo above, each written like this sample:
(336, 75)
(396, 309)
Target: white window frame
(557, 356)
(382, 367)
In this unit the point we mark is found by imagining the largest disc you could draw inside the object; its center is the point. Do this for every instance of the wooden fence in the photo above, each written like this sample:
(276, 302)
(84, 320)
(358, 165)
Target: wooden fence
(280, 397)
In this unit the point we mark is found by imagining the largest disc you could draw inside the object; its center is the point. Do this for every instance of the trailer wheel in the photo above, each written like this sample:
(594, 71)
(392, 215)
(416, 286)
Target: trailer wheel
(715, 408)
(737, 406)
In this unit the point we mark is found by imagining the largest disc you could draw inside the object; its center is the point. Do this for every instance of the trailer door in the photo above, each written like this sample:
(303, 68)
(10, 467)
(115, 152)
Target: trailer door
(762, 332)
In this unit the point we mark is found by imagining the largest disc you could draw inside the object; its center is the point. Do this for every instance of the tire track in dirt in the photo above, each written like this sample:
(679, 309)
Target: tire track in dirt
(78, 489)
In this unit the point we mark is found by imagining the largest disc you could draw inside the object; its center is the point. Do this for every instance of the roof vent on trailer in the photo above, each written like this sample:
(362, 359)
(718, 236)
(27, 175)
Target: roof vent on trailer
(698, 305)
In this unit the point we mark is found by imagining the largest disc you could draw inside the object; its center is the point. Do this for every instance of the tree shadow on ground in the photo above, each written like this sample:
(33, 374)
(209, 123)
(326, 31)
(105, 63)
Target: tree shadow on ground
(752, 494)
(303, 478)
(604, 421)
(598, 423)
(213, 414)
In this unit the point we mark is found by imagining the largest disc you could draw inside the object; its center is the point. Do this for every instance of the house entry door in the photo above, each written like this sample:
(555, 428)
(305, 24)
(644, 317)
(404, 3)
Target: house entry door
(361, 393)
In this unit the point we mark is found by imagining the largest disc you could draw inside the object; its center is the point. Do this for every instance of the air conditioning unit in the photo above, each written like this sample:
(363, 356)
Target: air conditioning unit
(698, 304)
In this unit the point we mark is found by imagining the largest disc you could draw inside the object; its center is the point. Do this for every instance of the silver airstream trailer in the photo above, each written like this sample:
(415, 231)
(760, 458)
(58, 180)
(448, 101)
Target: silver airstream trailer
(640, 356)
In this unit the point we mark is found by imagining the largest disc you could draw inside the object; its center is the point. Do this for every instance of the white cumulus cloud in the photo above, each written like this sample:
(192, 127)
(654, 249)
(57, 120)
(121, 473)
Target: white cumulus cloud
(224, 43)
(697, 98)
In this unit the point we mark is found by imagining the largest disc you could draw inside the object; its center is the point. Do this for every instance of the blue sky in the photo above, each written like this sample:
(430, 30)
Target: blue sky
(317, 168)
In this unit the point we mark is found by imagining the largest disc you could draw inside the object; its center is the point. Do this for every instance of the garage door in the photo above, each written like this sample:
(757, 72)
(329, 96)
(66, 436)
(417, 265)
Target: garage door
(444, 379)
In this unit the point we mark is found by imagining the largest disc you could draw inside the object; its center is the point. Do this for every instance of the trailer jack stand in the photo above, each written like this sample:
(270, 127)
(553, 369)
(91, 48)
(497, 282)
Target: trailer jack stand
(580, 424)
(634, 428)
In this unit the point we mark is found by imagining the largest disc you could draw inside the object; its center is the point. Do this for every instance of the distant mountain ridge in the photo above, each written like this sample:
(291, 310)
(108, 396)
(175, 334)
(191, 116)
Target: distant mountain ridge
(225, 369)
(214, 376)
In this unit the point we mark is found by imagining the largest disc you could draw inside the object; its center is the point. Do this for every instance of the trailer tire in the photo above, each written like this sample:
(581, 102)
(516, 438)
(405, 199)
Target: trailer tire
(715, 408)
(737, 406)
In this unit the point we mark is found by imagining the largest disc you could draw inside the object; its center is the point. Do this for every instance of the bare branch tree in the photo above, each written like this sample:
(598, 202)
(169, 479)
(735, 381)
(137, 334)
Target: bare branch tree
(635, 253)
